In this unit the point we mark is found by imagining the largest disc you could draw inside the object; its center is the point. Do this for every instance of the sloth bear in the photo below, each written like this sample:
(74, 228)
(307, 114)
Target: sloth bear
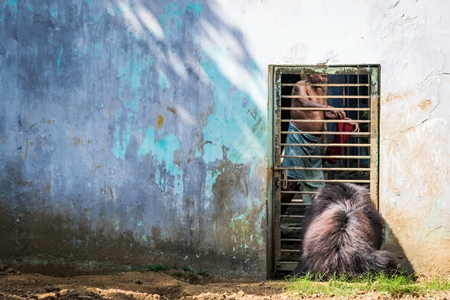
(342, 234)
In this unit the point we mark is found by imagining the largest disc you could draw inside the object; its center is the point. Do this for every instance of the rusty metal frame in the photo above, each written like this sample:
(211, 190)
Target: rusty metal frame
(274, 206)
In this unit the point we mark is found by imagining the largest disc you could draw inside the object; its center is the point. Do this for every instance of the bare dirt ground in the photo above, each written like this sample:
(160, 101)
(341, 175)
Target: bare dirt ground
(150, 285)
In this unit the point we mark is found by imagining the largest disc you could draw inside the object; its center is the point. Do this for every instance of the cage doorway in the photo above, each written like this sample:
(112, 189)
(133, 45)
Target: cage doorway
(339, 154)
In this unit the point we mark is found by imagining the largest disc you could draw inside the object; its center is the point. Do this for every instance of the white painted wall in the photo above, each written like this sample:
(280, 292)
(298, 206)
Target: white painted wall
(411, 42)
(169, 144)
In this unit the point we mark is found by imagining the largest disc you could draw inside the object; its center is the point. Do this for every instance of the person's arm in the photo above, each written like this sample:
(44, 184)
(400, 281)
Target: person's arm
(334, 114)
(355, 125)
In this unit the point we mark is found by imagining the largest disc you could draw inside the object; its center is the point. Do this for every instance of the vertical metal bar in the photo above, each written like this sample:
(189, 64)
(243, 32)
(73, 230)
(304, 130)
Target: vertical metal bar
(374, 152)
(277, 175)
(358, 105)
(345, 104)
(270, 266)
(374, 134)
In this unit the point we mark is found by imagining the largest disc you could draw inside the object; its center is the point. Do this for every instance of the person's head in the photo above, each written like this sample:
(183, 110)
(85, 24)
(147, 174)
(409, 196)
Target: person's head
(317, 78)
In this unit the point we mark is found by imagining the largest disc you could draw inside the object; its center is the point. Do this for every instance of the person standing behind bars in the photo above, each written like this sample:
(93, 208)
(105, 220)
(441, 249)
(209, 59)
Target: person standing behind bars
(311, 99)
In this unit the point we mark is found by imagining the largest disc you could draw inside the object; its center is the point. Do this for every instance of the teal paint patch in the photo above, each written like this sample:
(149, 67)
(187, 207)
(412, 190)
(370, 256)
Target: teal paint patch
(236, 129)
(10, 3)
(97, 50)
(211, 177)
(58, 60)
(195, 7)
(144, 237)
(158, 179)
(121, 143)
(117, 225)
(148, 144)
(174, 13)
(163, 149)
(130, 75)
(53, 12)
(136, 71)
(133, 106)
(13, 5)
(139, 224)
(162, 81)
(122, 8)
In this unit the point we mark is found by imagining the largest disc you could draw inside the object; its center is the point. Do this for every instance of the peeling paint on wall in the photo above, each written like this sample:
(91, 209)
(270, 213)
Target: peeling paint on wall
(239, 147)
(112, 129)
(163, 149)
(145, 125)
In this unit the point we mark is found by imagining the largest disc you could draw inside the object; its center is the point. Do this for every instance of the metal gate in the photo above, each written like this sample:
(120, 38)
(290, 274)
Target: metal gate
(353, 89)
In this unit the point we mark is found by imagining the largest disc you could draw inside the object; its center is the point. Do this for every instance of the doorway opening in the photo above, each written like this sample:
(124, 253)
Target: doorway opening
(342, 150)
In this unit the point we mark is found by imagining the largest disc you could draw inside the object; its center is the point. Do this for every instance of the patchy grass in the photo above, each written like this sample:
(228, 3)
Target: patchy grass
(157, 268)
(341, 286)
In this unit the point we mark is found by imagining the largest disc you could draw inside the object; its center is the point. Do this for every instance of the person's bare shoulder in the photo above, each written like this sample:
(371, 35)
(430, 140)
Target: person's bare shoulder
(296, 89)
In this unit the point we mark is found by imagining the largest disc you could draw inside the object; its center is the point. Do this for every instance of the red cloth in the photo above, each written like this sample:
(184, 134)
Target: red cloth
(338, 139)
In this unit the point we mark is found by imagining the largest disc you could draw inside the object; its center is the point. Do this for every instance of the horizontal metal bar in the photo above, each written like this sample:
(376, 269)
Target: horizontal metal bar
(296, 192)
(327, 145)
(289, 250)
(286, 265)
(322, 169)
(325, 121)
(328, 156)
(361, 134)
(326, 108)
(326, 97)
(301, 204)
(326, 84)
(290, 240)
(329, 180)
(293, 216)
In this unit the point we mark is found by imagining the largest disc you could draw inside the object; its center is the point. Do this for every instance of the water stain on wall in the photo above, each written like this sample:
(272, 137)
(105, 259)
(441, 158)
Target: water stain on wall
(425, 104)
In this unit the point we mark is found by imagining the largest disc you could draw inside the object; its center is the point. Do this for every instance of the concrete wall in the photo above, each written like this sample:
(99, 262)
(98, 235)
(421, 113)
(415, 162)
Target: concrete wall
(138, 132)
